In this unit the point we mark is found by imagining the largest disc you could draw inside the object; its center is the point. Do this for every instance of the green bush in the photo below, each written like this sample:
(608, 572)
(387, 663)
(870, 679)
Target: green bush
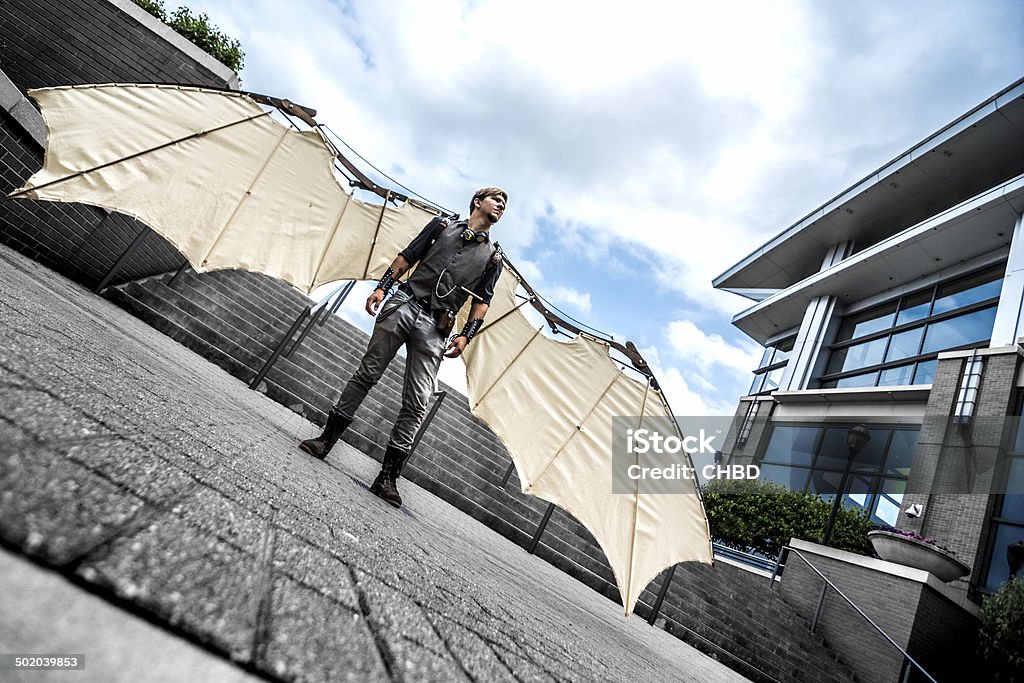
(154, 7)
(197, 28)
(1002, 626)
(757, 516)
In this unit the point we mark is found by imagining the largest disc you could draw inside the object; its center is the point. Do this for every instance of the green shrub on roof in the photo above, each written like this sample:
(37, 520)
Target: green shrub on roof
(199, 30)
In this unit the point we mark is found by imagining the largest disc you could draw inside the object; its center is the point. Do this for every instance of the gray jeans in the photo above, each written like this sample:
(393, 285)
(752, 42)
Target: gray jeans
(399, 321)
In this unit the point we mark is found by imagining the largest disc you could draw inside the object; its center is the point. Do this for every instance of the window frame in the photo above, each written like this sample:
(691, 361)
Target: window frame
(878, 478)
(994, 519)
(827, 378)
(763, 370)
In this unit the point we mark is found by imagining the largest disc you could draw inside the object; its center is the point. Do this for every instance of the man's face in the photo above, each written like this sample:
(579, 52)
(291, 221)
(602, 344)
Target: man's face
(492, 207)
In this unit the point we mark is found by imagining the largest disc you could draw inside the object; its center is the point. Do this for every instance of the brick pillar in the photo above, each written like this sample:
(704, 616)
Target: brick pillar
(955, 466)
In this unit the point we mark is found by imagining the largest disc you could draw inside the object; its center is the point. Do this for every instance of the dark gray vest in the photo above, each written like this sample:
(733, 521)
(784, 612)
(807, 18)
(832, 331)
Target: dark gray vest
(450, 264)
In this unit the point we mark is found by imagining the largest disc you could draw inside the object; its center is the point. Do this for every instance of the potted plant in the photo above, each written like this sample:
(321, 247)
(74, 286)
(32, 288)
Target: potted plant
(913, 550)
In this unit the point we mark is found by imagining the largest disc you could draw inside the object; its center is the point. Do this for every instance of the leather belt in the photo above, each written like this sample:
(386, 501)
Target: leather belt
(423, 303)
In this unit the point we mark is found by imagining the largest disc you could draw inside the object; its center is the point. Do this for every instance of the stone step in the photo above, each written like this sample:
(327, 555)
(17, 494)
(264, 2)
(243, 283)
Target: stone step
(250, 300)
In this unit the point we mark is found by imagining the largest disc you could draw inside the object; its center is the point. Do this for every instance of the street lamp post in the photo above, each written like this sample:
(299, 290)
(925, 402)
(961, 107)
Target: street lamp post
(856, 439)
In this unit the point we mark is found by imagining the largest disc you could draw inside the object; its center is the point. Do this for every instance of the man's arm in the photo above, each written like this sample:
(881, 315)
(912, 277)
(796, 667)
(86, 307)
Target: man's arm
(395, 271)
(458, 343)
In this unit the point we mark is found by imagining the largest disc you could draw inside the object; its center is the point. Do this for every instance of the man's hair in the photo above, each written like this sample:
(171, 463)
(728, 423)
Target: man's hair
(485, 192)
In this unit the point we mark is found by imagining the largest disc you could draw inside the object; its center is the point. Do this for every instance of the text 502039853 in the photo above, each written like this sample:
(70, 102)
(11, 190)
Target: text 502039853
(37, 662)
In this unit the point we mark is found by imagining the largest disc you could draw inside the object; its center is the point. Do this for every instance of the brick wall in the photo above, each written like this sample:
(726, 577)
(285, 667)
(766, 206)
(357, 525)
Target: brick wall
(918, 616)
(63, 42)
(954, 468)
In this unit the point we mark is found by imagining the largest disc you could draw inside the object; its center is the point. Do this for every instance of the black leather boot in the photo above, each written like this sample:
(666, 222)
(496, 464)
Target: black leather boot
(384, 486)
(322, 445)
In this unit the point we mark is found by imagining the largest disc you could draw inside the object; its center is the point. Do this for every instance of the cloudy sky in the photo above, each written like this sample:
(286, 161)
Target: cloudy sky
(645, 146)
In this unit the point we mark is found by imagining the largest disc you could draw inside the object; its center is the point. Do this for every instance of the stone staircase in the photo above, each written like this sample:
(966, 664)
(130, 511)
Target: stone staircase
(235, 319)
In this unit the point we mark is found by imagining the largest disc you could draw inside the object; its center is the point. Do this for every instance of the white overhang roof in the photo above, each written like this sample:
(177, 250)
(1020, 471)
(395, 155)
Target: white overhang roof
(979, 226)
(979, 150)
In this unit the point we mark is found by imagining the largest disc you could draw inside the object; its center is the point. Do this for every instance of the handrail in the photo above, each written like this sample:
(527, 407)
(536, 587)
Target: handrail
(749, 559)
(789, 549)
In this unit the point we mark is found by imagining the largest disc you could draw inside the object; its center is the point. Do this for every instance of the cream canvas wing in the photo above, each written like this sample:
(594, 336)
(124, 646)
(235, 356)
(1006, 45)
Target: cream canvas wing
(552, 404)
(230, 187)
(219, 178)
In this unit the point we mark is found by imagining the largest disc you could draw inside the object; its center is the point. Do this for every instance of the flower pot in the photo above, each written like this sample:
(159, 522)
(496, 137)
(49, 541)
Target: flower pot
(911, 552)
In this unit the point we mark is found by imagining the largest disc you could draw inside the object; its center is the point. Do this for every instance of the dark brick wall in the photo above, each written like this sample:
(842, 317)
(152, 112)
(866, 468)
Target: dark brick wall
(953, 472)
(64, 42)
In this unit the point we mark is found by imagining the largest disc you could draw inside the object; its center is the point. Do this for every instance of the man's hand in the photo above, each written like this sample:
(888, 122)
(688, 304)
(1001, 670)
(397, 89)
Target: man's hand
(373, 302)
(455, 347)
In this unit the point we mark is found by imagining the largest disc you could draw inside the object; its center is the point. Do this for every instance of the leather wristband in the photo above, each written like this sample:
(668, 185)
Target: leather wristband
(471, 328)
(386, 280)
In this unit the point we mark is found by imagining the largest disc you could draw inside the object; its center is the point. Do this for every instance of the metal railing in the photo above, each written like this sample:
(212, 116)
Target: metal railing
(749, 559)
(779, 563)
(314, 315)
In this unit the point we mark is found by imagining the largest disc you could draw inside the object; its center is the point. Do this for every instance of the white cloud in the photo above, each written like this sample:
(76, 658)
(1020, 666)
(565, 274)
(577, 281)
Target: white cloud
(686, 133)
(711, 352)
(561, 295)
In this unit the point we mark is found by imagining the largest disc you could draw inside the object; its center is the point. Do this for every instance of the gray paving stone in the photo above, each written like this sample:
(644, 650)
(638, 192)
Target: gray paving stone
(314, 637)
(192, 579)
(47, 417)
(131, 466)
(55, 509)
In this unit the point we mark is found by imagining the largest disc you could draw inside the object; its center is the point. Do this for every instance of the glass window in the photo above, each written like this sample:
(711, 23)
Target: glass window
(824, 484)
(999, 568)
(1012, 506)
(901, 451)
(897, 377)
(833, 452)
(889, 502)
(875, 320)
(871, 456)
(857, 356)
(887, 511)
(970, 290)
(773, 355)
(905, 344)
(914, 307)
(881, 495)
(925, 337)
(866, 380)
(772, 379)
(925, 372)
(960, 331)
(793, 478)
(791, 445)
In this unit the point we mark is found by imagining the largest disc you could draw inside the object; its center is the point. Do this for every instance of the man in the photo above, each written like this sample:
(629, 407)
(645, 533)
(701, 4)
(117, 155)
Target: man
(455, 261)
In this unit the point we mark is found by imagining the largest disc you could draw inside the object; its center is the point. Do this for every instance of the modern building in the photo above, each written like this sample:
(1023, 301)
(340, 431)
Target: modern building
(899, 304)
